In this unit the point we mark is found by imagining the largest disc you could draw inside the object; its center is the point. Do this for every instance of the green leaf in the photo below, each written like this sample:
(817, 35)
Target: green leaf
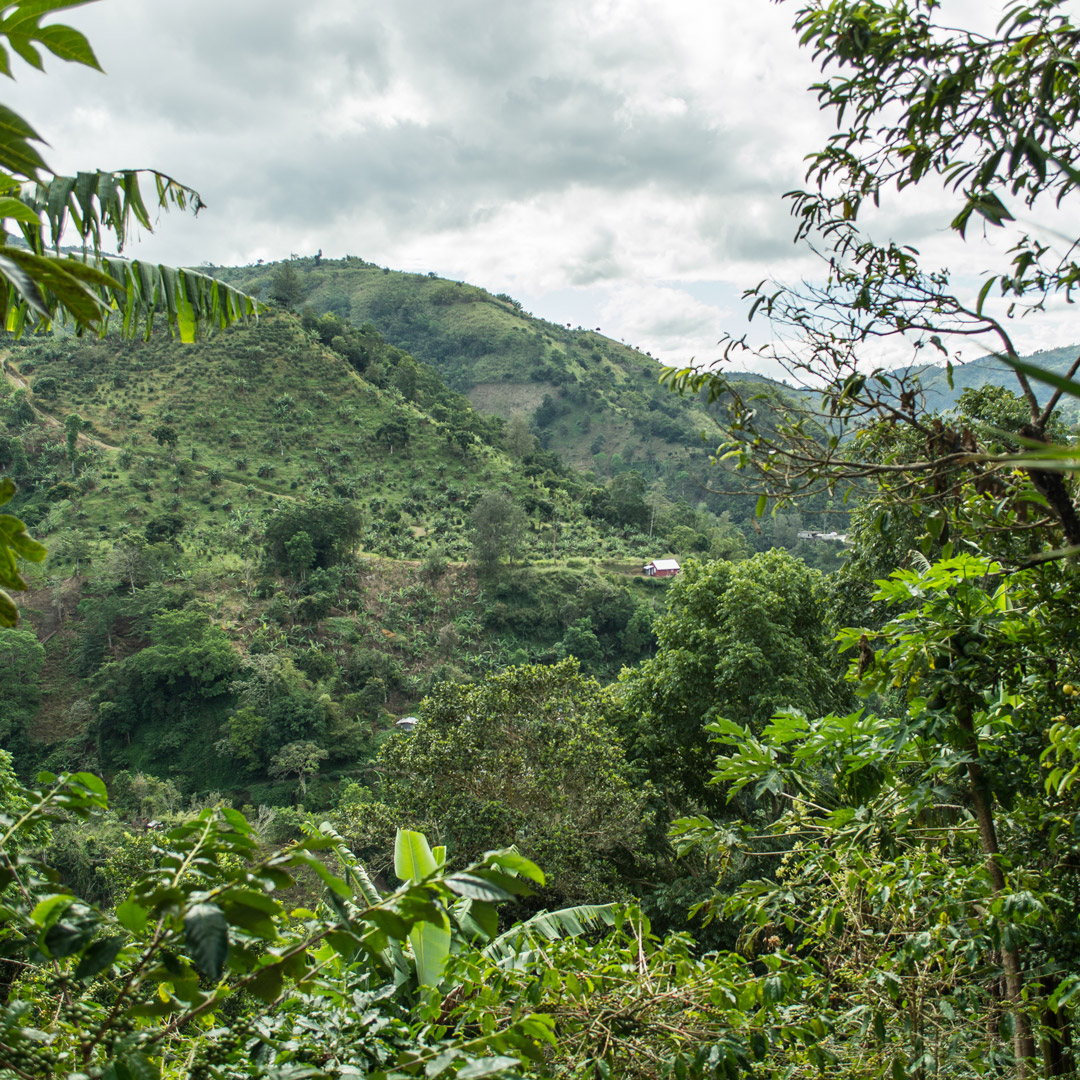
(99, 957)
(68, 44)
(476, 888)
(132, 916)
(514, 862)
(17, 210)
(44, 908)
(268, 983)
(487, 1067)
(90, 783)
(413, 858)
(477, 919)
(207, 933)
(506, 950)
(16, 154)
(135, 1065)
(762, 504)
(66, 938)
(388, 922)
(414, 861)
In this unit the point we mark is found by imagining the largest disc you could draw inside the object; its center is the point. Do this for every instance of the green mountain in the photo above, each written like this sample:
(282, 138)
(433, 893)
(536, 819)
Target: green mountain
(940, 396)
(290, 532)
(596, 401)
(294, 513)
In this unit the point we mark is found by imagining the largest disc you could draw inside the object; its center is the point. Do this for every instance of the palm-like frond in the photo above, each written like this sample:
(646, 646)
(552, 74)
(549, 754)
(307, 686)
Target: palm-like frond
(516, 948)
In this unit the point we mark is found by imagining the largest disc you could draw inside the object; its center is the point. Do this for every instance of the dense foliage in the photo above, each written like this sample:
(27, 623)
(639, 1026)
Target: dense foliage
(745, 873)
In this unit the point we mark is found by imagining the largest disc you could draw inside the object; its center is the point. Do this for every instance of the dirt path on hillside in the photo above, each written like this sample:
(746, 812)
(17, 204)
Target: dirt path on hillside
(20, 383)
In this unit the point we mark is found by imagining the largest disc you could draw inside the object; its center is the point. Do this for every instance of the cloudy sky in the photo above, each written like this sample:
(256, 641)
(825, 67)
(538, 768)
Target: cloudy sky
(611, 163)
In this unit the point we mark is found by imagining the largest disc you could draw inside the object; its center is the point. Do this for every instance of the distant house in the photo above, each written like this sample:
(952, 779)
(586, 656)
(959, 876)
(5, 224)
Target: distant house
(406, 723)
(661, 568)
(833, 536)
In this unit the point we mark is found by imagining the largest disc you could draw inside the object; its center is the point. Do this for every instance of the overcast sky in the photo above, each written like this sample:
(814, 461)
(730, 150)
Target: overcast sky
(611, 163)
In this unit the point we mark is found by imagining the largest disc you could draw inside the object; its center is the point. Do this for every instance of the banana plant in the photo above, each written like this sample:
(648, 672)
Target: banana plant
(415, 861)
(517, 947)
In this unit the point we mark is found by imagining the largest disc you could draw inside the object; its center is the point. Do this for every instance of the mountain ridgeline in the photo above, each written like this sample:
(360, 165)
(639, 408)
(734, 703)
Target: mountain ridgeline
(595, 400)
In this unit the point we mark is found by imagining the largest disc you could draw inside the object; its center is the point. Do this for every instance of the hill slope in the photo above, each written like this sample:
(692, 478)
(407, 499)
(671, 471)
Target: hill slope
(596, 401)
(159, 475)
(985, 370)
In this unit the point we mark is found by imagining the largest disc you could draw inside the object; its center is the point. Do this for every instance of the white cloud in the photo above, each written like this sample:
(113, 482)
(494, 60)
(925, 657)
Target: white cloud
(619, 152)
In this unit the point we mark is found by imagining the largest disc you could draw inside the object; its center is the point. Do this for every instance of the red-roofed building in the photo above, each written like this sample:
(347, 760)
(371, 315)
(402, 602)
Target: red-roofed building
(661, 568)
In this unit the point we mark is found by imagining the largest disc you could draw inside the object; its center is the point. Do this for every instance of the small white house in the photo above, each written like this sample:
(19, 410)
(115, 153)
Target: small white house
(406, 723)
(661, 568)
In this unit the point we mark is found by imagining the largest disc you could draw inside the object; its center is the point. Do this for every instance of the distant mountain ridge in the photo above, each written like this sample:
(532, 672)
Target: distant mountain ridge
(939, 396)
(597, 402)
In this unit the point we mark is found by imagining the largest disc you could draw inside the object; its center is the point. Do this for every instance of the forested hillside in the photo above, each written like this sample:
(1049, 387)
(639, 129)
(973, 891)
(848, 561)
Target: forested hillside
(598, 402)
(342, 736)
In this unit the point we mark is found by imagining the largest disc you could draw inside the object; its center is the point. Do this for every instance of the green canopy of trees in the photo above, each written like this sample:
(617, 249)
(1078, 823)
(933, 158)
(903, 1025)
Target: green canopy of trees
(523, 757)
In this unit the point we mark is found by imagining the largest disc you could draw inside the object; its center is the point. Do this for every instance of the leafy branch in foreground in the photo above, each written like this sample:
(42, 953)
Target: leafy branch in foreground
(994, 117)
(41, 284)
(171, 982)
(928, 861)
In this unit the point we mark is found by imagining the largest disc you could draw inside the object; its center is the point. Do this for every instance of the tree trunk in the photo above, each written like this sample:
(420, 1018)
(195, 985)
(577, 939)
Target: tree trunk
(1053, 487)
(1023, 1041)
(1056, 1046)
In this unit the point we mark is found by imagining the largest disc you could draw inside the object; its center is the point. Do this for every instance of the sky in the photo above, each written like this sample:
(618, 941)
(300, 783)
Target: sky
(609, 163)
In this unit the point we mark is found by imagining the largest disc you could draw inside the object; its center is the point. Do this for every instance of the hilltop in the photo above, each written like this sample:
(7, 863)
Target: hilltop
(598, 402)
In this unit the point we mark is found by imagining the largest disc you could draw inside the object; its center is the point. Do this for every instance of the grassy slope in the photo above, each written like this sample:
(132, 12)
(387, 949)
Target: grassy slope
(276, 417)
(607, 410)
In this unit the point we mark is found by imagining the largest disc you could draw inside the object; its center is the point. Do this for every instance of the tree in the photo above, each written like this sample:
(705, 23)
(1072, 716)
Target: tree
(497, 525)
(994, 118)
(738, 640)
(21, 660)
(164, 528)
(929, 828)
(333, 527)
(74, 425)
(517, 438)
(627, 494)
(393, 432)
(527, 757)
(200, 915)
(285, 285)
(244, 733)
(299, 759)
(301, 553)
(166, 435)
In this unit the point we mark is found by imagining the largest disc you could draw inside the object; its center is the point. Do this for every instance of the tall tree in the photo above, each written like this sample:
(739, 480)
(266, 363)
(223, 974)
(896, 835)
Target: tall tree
(523, 757)
(738, 640)
(286, 286)
(993, 118)
(497, 525)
